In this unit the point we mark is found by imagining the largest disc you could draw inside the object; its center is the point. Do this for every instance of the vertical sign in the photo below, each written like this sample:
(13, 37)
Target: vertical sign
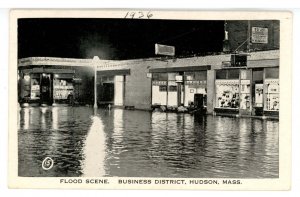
(259, 35)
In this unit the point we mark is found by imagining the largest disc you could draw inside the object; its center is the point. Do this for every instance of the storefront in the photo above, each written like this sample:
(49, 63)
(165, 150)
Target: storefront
(46, 86)
(247, 91)
(186, 87)
(111, 85)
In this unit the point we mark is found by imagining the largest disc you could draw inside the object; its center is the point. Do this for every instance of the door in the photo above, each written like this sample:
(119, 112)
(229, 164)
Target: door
(198, 101)
(106, 93)
(46, 89)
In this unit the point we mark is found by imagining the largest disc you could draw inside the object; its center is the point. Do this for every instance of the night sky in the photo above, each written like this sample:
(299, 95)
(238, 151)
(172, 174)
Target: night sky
(116, 38)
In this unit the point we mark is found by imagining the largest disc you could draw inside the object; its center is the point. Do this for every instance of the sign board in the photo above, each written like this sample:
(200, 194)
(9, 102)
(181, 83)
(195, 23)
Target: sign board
(164, 50)
(259, 35)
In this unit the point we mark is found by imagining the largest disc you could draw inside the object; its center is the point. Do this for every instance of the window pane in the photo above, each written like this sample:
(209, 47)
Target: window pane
(171, 76)
(272, 73)
(162, 88)
(221, 74)
(172, 88)
(257, 76)
(233, 74)
(199, 76)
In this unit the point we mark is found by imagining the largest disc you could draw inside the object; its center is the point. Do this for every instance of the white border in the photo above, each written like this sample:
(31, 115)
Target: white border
(259, 184)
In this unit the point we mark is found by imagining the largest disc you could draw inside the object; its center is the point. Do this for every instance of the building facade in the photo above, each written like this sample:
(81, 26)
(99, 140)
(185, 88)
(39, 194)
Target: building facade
(241, 80)
(210, 82)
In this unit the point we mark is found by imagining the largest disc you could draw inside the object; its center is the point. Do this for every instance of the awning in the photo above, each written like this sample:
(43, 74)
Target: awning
(180, 69)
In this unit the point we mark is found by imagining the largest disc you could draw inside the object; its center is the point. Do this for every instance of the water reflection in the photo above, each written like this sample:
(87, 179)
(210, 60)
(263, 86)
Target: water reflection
(55, 118)
(94, 150)
(143, 144)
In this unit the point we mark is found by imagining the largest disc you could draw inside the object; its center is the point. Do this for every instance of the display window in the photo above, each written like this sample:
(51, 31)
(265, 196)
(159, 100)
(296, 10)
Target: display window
(34, 86)
(62, 89)
(245, 90)
(159, 88)
(195, 85)
(245, 94)
(272, 94)
(227, 93)
(259, 90)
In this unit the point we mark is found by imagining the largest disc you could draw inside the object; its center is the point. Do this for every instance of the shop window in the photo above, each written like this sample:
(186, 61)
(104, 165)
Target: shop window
(272, 94)
(272, 73)
(233, 74)
(159, 76)
(221, 74)
(199, 76)
(228, 74)
(227, 93)
(35, 87)
(245, 94)
(257, 76)
(172, 76)
(172, 88)
(162, 88)
(62, 89)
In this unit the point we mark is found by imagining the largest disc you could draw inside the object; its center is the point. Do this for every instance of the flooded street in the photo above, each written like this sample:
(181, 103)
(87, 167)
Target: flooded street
(127, 143)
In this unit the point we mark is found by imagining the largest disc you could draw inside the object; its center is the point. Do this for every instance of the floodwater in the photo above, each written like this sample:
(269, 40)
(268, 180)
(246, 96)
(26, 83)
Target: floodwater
(126, 143)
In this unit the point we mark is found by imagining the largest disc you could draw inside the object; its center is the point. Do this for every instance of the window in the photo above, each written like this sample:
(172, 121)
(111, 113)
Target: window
(227, 93)
(172, 88)
(228, 74)
(272, 73)
(160, 76)
(162, 88)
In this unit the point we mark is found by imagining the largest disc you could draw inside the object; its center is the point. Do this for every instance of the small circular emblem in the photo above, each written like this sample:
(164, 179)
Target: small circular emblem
(47, 163)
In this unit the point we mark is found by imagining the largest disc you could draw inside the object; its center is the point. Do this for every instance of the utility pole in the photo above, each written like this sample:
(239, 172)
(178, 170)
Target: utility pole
(249, 36)
(95, 64)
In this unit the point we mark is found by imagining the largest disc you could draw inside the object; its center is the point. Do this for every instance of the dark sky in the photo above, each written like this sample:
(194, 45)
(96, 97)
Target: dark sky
(116, 38)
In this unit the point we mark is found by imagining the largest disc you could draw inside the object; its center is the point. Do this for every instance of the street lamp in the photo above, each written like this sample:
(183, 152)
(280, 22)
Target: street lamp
(96, 60)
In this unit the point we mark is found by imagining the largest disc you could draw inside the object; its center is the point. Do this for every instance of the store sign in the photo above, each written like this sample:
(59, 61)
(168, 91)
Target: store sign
(227, 82)
(259, 35)
(195, 82)
(157, 83)
(164, 50)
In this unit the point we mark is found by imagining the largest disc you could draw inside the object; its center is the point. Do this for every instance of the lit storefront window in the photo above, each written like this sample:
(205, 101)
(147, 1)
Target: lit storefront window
(159, 88)
(172, 89)
(245, 96)
(195, 87)
(62, 88)
(227, 89)
(272, 94)
(271, 84)
(227, 93)
(35, 86)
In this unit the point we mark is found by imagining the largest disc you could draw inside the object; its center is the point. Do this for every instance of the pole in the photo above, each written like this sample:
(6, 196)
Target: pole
(249, 36)
(95, 62)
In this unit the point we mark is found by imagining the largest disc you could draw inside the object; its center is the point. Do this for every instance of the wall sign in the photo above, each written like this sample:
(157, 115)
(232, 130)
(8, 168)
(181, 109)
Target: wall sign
(259, 35)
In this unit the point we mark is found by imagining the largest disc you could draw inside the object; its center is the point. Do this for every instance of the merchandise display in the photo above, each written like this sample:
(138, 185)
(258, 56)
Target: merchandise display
(272, 94)
(227, 93)
(35, 89)
(62, 89)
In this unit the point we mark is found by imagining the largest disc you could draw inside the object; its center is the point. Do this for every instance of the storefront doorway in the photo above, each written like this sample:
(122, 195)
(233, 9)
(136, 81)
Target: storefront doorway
(46, 89)
(199, 101)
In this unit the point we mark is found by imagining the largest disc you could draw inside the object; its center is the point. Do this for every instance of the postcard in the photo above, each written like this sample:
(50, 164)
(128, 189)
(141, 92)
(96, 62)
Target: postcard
(150, 99)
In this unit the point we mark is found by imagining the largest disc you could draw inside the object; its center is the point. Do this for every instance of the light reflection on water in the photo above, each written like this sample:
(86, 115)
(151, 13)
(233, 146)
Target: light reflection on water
(143, 144)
